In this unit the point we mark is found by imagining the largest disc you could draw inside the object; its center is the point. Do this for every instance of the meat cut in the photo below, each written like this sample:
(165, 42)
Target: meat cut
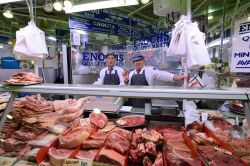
(129, 121)
(117, 143)
(112, 157)
(62, 104)
(98, 119)
(57, 156)
(74, 137)
(24, 78)
(92, 144)
(87, 154)
(123, 133)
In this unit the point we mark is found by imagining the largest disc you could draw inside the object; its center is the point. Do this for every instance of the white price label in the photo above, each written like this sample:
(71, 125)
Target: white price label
(107, 128)
(71, 162)
(85, 122)
(121, 122)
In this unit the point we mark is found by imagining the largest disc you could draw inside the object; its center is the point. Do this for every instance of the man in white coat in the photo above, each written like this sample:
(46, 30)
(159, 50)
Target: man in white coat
(145, 76)
(110, 75)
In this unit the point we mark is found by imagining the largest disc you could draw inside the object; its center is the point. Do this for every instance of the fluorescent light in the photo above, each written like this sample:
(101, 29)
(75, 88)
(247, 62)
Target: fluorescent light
(210, 17)
(8, 1)
(82, 32)
(100, 5)
(52, 38)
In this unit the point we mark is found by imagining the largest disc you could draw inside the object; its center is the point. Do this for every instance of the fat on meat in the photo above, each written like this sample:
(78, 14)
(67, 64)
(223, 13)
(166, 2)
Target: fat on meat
(71, 116)
(118, 143)
(77, 106)
(98, 119)
(62, 104)
(87, 154)
(57, 156)
(74, 137)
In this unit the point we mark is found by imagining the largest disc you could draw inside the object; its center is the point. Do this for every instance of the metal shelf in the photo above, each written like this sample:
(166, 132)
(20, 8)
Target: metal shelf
(133, 91)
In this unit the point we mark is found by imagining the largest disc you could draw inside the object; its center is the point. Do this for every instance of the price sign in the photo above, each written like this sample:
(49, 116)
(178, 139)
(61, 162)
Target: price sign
(71, 162)
(241, 47)
(85, 122)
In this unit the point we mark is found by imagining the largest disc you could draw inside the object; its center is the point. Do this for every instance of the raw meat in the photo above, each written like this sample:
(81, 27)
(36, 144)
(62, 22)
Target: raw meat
(131, 120)
(146, 161)
(158, 160)
(62, 104)
(92, 144)
(100, 136)
(24, 136)
(118, 143)
(87, 154)
(74, 137)
(108, 127)
(152, 135)
(218, 158)
(31, 155)
(197, 126)
(44, 140)
(177, 145)
(57, 156)
(77, 106)
(111, 157)
(71, 116)
(123, 133)
(13, 145)
(98, 119)
(24, 78)
(150, 148)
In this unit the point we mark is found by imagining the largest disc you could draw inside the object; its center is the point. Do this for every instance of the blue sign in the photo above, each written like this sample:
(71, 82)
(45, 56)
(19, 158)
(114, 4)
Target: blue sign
(115, 17)
(105, 27)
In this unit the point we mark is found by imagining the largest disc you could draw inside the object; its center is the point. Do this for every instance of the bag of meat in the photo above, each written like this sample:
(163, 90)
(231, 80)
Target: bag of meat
(97, 118)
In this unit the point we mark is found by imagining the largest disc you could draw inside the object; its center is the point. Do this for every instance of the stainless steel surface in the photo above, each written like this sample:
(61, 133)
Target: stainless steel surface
(7, 110)
(133, 91)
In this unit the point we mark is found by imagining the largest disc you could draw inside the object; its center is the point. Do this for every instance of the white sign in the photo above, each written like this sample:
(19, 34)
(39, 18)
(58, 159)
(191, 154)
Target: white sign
(241, 47)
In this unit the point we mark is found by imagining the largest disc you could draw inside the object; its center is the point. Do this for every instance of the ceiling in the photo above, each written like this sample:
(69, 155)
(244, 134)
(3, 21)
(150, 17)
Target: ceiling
(49, 22)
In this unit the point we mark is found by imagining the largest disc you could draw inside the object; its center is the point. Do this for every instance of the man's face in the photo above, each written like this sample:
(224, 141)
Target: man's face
(110, 60)
(139, 64)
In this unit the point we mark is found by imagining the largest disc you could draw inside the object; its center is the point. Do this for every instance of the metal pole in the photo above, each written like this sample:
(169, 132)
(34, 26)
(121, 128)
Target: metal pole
(141, 8)
(220, 64)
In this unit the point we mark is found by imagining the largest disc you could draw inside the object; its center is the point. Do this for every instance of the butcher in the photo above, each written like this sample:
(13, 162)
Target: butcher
(145, 76)
(110, 75)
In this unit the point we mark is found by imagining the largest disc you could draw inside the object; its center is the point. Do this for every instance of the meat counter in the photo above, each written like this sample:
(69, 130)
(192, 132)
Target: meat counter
(159, 92)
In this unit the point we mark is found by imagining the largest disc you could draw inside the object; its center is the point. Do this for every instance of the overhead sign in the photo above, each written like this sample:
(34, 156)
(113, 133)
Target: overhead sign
(90, 24)
(241, 47)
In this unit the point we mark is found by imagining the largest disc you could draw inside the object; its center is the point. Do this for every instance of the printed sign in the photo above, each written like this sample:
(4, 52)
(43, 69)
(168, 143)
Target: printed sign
(241, 47)
(98, 59)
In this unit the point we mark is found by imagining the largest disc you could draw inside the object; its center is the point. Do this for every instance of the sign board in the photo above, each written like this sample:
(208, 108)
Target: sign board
(76, 162)
(241, 47)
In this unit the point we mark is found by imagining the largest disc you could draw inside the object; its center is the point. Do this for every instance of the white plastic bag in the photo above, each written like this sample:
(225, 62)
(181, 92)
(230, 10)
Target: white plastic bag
(30, 43)
(191, 114)
(197, 53)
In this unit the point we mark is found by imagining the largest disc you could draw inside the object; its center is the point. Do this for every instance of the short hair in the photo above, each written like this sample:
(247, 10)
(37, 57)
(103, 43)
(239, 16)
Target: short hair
(110, 55)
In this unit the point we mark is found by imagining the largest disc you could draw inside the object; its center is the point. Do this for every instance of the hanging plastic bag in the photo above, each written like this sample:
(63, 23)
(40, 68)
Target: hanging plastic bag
(191, 114)
(197, 53)
(30, 43)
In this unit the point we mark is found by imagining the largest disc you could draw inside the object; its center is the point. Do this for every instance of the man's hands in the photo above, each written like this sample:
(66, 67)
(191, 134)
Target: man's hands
(180, 78)
(125, 76)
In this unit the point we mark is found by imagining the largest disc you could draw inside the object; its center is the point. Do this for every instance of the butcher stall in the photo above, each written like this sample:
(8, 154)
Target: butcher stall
(72, 132)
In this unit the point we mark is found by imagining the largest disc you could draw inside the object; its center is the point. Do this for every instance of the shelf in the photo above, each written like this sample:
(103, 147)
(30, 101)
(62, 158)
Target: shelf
(162, 92)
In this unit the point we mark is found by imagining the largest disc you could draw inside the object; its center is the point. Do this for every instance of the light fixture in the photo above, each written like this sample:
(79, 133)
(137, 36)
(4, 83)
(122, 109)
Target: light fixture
(7, 12)
(248, 16)
(68, 4)
(52, 38)
(9, 1)
(122, 2)
(145, 1)
(100, 5)
(58, 5)
(210, 17)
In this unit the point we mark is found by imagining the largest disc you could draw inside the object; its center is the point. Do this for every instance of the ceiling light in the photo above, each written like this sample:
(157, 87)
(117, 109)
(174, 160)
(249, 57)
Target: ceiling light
(8, 1)
(100, 5)
(145, 1)
(122, 2)
(52, 38)
(210, 11)
(58, 5)
(68, 4)
(210, 17)
(7, 12)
